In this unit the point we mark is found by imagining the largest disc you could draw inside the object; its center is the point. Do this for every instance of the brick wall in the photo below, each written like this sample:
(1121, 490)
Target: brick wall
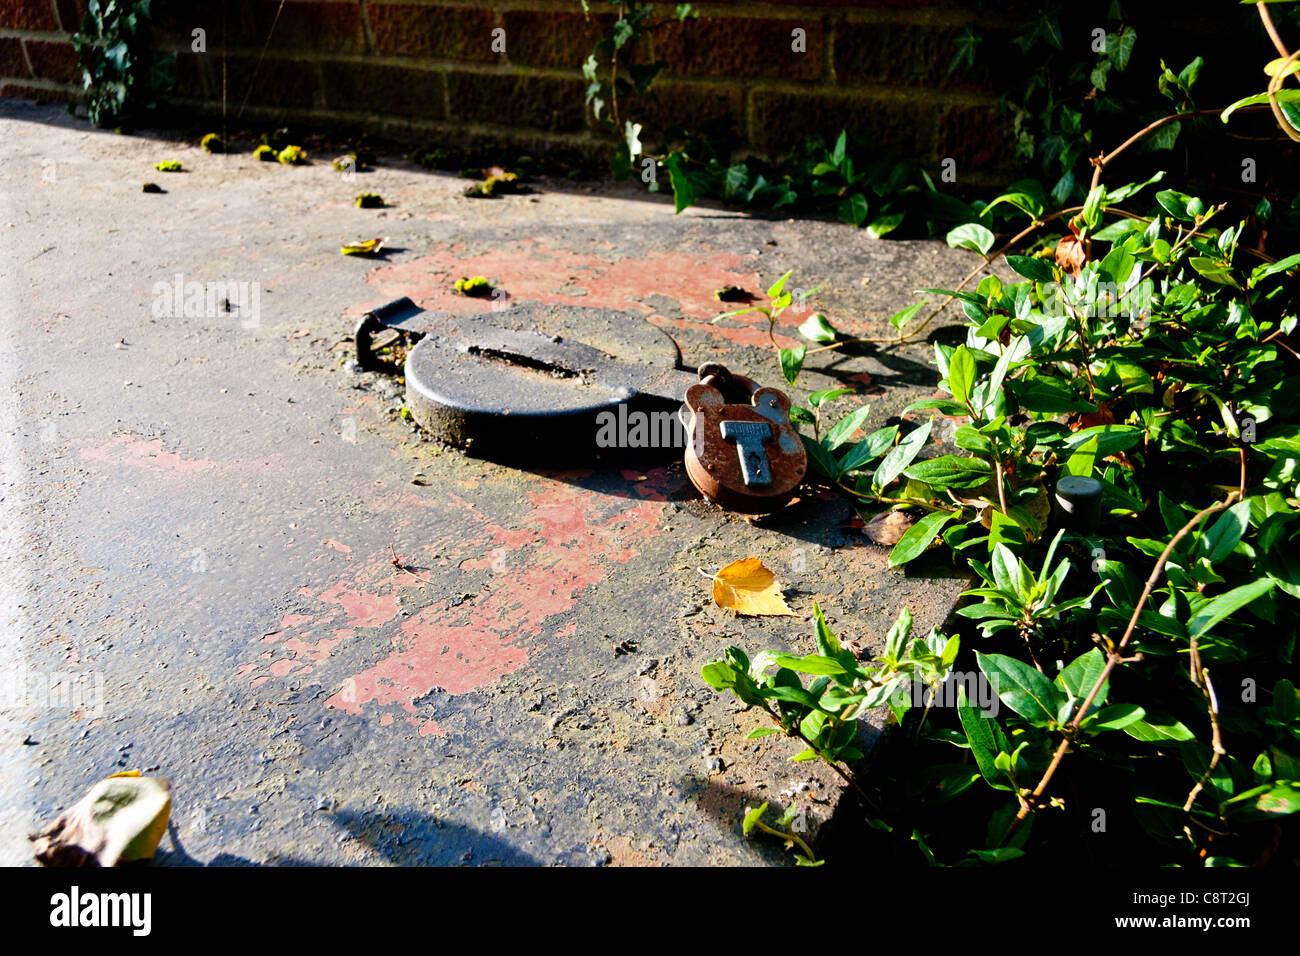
(37, 59)
(427, 69)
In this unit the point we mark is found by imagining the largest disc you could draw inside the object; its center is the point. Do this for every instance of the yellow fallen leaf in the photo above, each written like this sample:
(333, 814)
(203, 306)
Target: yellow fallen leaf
(748, 587)
(362, 247)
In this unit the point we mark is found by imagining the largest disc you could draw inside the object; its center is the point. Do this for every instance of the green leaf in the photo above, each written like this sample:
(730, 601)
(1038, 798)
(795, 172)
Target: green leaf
(1272, 268)
(951, 471)
(985, 738)
(1288, 95)
(1091, 213)
(1268, 802)
(853, 209)
(1021, 688)
(1031, 206)
(792, 362)
(719, 676)
(775, 289)
(1120, 193)
(822, 460)
(811, 664)
(1116, 717)
(870, 448)
(898, 634)
(758, 732)
(752, 817)
(971, 236)
(684, 195)
(1149, 732)
(1220, 607)
(817, 329)
(843, 430)
(820, 398)
(902, 455)
(1040, 270)
(1079, 677)
(918, 537)
(1179, 205)
(903, 316)
(961, 373)
(1224, 535)
(884, 224)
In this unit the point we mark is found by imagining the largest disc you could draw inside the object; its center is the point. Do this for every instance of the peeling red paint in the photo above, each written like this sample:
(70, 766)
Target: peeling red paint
(534, 270)
(365, 608)
(144, 453)
(552, 555)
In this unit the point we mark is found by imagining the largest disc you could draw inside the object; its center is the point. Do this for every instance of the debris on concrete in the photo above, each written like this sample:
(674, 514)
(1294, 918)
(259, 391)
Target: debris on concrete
(121, 819)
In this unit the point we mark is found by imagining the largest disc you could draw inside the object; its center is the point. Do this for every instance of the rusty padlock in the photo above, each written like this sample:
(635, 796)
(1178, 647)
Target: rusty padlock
(743, 452)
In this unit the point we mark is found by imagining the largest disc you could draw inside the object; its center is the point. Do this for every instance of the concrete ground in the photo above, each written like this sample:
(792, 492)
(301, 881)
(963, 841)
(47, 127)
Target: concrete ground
(200, 514)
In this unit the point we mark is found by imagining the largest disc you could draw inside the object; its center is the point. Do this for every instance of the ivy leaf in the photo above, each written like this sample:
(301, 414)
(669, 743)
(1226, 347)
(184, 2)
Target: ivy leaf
(1119, 47)
(683, 191)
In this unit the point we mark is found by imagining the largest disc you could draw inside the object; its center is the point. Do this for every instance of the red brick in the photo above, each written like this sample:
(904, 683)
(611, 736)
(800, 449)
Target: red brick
(561, 40)
(191, 76)
(688, 105)
(913, 55)
(512, 99)
(741, 48)
(275, 83)
(53, 61)
(976, 137)
(12, 61)
(28, 15)
(71, 13)
(23, 92)
(453, 33)
(248, 24)
(324, 27)
(386, 90)
(781, 120)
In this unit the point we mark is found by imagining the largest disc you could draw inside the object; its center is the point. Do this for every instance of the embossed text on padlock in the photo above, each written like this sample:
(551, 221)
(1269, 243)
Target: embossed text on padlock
(749, 438)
